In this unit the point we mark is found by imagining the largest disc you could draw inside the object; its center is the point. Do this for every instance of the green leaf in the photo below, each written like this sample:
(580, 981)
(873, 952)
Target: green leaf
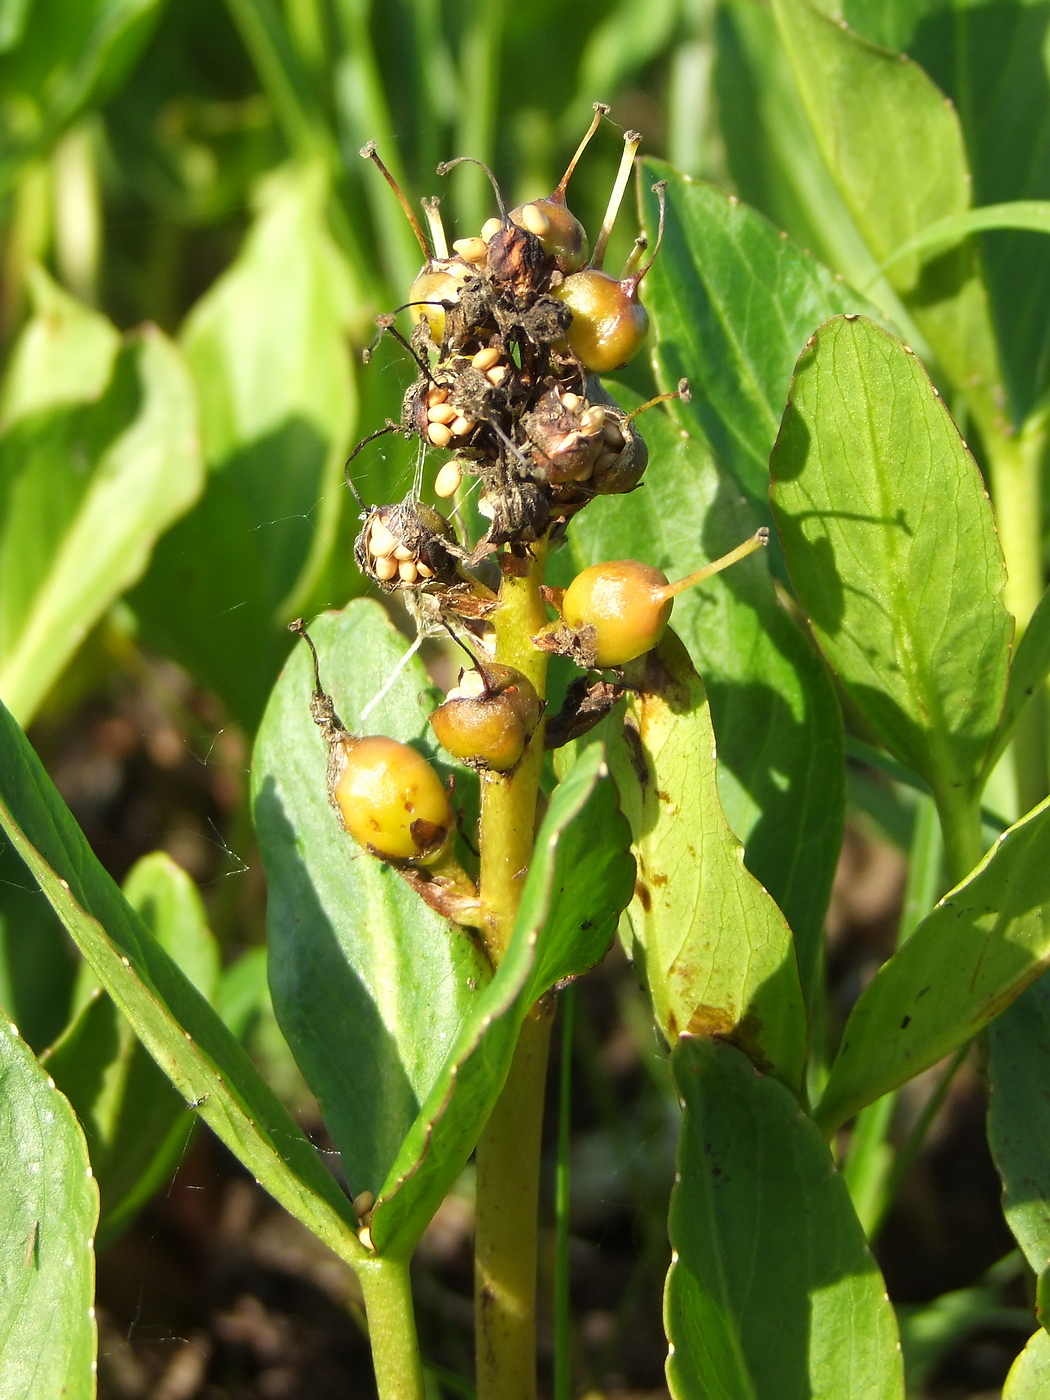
(733, 303)
(73, 53)
(991, 61)
(1019, 1117)
(137, 1126)
(48, 1209)
(772, 1293)
(37, 965)
(579, 880)
(892, 548)
(172, 1019)
(98, 455)
(267, 350)
(1031, 214)
(978, 950)
(783, 797)
(773, 157)
(1029, 1376)
(377, 995)
(1028, 673)
(715, 950)
(895, 150)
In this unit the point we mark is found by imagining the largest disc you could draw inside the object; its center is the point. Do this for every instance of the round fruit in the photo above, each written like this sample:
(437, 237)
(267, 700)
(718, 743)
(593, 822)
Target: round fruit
(489, 718)
(562, 236)
(626, 603)
(439, 282)
(609, 323)
(391, 800)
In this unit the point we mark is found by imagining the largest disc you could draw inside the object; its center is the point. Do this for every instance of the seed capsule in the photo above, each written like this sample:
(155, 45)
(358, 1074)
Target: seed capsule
(488, 719)
(391, 800)
(609, 323)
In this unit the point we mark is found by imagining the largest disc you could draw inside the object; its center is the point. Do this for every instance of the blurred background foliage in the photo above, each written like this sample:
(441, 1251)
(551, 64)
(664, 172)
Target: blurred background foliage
(192, 257)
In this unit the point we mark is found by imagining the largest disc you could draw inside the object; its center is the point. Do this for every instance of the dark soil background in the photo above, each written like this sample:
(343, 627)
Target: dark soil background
(216, 1294)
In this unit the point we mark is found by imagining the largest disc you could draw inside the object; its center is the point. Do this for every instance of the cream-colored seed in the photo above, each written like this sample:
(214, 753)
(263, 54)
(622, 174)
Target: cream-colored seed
(490, 228)
(385, 569)
(439, 435)
(363, 1203)
(442, 413)
(407, 571)
(485, 359)
(403, 552)
(605, 461)
(424, 571)
(535, 220)
(380, 541)
(472, 250)
(571, 402)
(462, 426)
(613, 436)
(446, 483)
(438, 394)
(496, 375)
(593, 419)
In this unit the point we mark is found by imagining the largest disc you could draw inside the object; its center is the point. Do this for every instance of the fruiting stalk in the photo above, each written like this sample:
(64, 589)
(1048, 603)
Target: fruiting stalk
(672, 590)
(600, 110)
(631, 141)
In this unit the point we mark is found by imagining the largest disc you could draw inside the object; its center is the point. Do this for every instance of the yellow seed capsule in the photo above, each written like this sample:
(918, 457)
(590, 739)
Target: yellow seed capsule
(488, 719)
(391, 800)
(609, 323)
(625, 602)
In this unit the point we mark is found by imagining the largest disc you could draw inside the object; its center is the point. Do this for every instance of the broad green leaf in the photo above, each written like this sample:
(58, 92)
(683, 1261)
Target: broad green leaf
(782, 797)
(579, 880)
(48, 1209)
(894, 148)
(171, 1018)
(372, 989)
(369, 985)
(92, 469)
(772, 1293)
(137, 1126)
(890, 541)
(1019, 1117)
(714, 949)
(978, 950)
(268, 353)
(1030, 214)
(772, 155)
(1029, 1377)
(1028, 672)
(733, 303)
(72, 53)
(991, 60)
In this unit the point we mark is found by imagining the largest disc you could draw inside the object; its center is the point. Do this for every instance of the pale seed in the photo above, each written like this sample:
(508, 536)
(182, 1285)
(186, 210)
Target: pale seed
(446, 483)
(380, 541)
(485, 359)
(571, 402)
(613, 436)
(439, 435)
(462, 426)
(403, 552)
(535, 220)
(497, 374)
(442, 413)
(424, 571)
(490, 228)
(593, 419)
(438, 394)
(385, 569)
(471, 250)
(407, 571)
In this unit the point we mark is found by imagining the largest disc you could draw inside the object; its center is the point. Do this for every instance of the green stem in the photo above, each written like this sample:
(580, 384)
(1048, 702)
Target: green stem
(508, 1153)
(562, 1330)
(392, 1329)
(505, 1227)
(1015, 470)
(960, 815)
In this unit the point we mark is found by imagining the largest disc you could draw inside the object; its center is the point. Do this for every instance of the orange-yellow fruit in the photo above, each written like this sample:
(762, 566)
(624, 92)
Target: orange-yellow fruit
(437, 283)
(560, 232)
(391, 800)
(624, 602)
(488, 728)
(609, 323)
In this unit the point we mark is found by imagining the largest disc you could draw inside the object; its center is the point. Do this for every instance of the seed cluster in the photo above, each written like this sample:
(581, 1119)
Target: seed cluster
(502, 389)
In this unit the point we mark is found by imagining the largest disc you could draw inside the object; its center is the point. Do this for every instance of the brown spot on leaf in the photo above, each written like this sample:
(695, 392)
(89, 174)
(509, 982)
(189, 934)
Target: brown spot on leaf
(710, 1020)
(644, 897)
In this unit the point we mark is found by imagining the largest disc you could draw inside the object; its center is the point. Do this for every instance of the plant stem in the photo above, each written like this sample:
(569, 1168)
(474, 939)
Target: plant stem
(1015, 469)
(392, 1329)
(562, 1329)
(960, 815)
(505, 1240)
(508, 1153)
